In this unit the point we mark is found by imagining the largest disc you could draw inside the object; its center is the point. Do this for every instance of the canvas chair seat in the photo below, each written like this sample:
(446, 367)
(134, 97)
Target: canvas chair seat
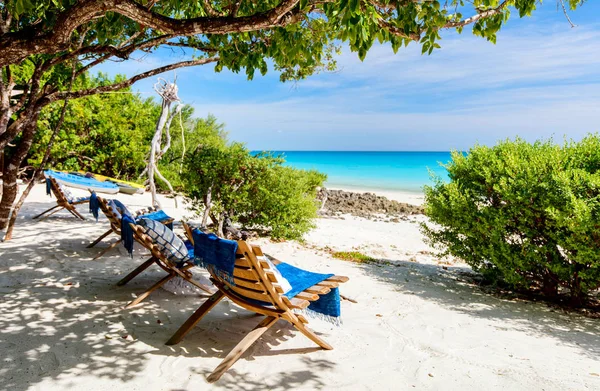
(114, 218)
(157, 257)
(64, 200)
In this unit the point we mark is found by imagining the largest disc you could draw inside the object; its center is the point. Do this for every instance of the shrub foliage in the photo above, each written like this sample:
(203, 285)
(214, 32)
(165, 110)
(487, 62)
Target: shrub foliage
(524, 214)
(257, 191)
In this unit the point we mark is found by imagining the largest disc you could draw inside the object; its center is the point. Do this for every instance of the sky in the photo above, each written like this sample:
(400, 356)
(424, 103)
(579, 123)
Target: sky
(541, 80)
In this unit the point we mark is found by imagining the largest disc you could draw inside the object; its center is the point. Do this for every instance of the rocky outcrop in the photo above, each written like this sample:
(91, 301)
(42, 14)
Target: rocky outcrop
(338, 202)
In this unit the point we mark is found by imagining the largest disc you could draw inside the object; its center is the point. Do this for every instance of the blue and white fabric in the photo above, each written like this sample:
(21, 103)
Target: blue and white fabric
(119, 209)
(327, 307)
(218, 257)
(281, 280)
(94, 205)
(173, 248)
(158, 215)
(215, 254)
(69, 196)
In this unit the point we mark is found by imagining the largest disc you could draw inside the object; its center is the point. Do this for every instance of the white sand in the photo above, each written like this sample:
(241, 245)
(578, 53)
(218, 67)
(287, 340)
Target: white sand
(415, 325)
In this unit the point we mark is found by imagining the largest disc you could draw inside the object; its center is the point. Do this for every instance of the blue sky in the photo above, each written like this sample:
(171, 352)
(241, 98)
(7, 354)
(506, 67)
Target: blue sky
(542, 79)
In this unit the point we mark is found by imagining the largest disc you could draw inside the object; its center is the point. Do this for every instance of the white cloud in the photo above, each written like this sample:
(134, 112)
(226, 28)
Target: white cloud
(535, 85)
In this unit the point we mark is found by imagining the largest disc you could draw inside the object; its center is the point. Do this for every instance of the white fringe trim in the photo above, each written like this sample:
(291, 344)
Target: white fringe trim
(334, 320)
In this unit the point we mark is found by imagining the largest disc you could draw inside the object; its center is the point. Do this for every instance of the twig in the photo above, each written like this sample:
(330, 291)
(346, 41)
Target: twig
(566, 14)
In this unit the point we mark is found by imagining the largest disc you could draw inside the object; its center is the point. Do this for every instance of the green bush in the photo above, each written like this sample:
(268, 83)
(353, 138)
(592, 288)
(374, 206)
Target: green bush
(198, 132)
(107, 134)
(257, 191)
(524, 214)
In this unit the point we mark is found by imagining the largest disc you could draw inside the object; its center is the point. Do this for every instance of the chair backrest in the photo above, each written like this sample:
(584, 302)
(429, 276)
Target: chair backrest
(115, 221)
(61, 197)
(145, 240)
(253, 278)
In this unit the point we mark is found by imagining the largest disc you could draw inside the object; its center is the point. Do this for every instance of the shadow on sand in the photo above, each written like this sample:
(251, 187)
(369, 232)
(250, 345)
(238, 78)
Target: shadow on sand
(62, 315)
(453, 290)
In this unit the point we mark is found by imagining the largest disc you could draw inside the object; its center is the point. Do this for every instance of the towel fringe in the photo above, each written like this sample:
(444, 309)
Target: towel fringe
(198, 261)
(307, 312)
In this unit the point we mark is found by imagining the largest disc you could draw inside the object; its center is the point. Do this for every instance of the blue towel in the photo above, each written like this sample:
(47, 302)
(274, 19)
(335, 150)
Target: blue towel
(159, 215)
(94, 205)
(327, 307)
(122, 209)
(127, 217)
(127, 233)
(215, 254)
(190, 248)
(48, 187)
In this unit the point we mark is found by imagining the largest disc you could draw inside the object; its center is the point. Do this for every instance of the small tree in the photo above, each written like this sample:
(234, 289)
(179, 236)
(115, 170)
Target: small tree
(525, 214)
(255, 190)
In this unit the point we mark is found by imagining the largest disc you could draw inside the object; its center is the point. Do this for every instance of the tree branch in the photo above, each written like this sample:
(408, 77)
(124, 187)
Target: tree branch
(59, 95)
(481, 15)
(16, 46)
(210, 10)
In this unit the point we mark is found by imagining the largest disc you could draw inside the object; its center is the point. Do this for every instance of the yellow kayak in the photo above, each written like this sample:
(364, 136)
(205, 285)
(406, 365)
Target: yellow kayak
(124, 186)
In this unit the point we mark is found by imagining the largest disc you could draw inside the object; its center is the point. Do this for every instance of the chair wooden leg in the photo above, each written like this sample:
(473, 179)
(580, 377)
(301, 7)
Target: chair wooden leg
(107, 249)
(154, 287)
(95, 242)
(46, 211)
(50, 214)
(241, 347)
(137, 271)
(195, 318)
(311, 335)
(75, 213)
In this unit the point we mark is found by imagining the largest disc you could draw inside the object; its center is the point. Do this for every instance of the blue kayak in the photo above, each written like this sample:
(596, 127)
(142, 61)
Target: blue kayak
(81, 182)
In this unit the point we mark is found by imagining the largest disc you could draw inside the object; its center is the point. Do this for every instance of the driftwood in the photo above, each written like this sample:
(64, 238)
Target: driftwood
(168, 92)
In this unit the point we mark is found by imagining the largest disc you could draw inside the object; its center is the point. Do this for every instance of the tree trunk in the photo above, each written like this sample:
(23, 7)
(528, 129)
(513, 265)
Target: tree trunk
(577, 295)
(11, 169)
(549, 285)
(221, 220)
(207, 206)
(37, 172)
(155, 149)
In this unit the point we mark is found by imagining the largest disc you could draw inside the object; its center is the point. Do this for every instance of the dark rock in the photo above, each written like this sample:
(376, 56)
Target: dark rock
(364, 205)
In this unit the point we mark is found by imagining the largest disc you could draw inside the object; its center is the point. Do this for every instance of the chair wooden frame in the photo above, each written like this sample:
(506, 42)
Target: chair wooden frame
(115, 225)
(61, 202)
(159, 259)
(254, 280)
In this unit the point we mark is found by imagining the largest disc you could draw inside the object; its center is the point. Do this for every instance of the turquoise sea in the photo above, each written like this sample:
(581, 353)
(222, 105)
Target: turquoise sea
(396, 171)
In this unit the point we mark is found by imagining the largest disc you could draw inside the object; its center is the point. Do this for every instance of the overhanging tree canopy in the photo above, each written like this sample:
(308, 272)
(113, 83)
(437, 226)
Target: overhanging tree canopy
(41, 41)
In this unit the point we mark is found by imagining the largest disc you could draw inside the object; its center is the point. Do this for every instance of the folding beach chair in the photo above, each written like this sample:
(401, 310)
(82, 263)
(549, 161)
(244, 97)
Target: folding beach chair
(115, 223)
(256, 288)
(163, 262)
(64, 200)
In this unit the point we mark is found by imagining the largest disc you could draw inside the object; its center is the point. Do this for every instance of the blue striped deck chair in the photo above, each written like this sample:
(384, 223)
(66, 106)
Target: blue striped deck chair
(64, 200)
(258, 287)
(114, 218)
(158, 257)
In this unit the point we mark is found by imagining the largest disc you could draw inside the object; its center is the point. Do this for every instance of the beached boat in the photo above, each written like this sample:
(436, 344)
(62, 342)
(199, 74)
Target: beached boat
(124, 186)
(82, 182)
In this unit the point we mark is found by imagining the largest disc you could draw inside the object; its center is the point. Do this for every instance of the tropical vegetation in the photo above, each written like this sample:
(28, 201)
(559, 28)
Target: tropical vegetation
(47, 46)
(523, 214)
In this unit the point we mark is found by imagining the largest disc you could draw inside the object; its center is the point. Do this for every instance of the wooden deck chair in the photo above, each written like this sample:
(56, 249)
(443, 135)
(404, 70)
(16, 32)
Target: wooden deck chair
(115, 225)
(63, 202)
(254, 280)
(159, 259)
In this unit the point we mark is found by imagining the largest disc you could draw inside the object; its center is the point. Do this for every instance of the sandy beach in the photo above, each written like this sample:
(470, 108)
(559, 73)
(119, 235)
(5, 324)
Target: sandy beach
(416, 324)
